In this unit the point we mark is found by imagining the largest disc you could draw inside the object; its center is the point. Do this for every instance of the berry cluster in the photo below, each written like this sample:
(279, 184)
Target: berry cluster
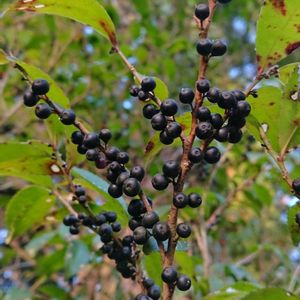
(171, 277)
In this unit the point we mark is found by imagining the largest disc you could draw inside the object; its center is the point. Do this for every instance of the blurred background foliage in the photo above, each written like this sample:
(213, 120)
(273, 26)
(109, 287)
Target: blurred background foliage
(250, 241)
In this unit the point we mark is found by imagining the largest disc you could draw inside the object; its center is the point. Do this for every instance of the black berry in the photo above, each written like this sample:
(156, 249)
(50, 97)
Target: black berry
(217, 121)
(149, 219)
(222, 134)
(140, 235)
(131, 187)
(296, 185)
(105, 135)
(134, 90)
(204, 130)
(159, 122)
(30, 99)
(154, 292)
(111, 216)
(173, 129)
(143, 96)
(137, 172)
(212, 155)
(91, 140)
(43, 111)
(165, 138)
(186, 95)
(91, 155)
(169, 275)
(204, 47)
(219, 48)
(171, 168)
(214, 95)
(183, 230)
(183, 283)
(169, 107)
(148, 84)
(160, 182)
(122, 157)
(203, 114)
(161, 231)
(149, 110)
(112, 153)
(77, 137)
(180, 200)
(194, 200)
(202, 11)
(203, 85)
(195, 155)
(136, 207)
(115, 191)
(68, 117)
(40, 87)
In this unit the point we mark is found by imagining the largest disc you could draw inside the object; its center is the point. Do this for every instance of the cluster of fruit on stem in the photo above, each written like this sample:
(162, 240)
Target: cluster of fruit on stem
(145, 223)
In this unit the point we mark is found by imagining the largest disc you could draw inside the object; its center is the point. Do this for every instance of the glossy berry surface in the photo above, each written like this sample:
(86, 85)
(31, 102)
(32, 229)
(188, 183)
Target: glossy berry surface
(30, 99)
(203, 114)
(91, 140)
(68, 117)
(195, 155)
(161, 231)
(77, 137)
(149, 219)
(159, 122)
(212, 155)
(169, 107)
(140, 235)
(169, 275)
(43, 111)
(149, 110)
(203, 85)
(180, 200)
(219, 48)
(160, 182)
(154, 292)
(183, 283)
(186, 95)
(165, 138)
(183, 230)
(131, 187)
(202, 11)
(137, 172)
(148, 84)
(171, 168)
(105, 135)
(214, 95)
(173, 129)
(40, 87)
(204, 47)
(194, 200)
(204, 130)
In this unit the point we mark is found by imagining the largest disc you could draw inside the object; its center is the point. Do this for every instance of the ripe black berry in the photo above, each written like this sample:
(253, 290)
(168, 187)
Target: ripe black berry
(122, 157)
(183, 283)
(204, 46)
(111, 216)
(194, 200)
(121, 178)
(105, 229)
(154, 292)
(142, 297)
(79, 190)
(149, 219)
(77, 137)
(204, 130)
(239, 95)
(212, 155)
(236, 121)
(165, 138)
(148, 84)
(180, 200)
(137, 172)
(127, 240)
(171, 168)
(136, 207)
(100, 163)
(160, 182)
(149, 110)
(68, 117)
(195, 155)
(159, 122)
(70, 220)
(30, 99)
(203, 114)
(186, 95)
(296, 185)
(115, 191)
(183, 230)
(82, 199)
(100, 219)
(243, 108)
(105, 135)
(169, 107)
(169, 275)
(143, 96)
(202, 11)
(148, 283)
(43, 111)
(91, 155)
(219, 48)
(222, 134)
(173, 129)
(91, 140)
(203, 85)
(134, 223)
(81, 149)
(131, 187)
(235, 135)
(115, 168)
(217, 121)
(134, 90)
(140, 235)
(214, 95)
(116, 227)
(74, 230)
(227, 100)
(112, 153)
(40, 87)
(161, 231)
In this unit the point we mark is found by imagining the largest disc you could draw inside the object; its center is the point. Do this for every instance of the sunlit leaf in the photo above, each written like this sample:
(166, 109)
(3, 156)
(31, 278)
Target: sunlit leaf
(270, 294)
(278, 33)
(88, 12)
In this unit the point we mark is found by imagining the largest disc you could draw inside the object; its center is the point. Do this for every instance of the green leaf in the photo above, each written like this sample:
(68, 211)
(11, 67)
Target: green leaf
(27, 208)
(38, 242)
(154, 146)
(3, 58)
(54, 292)
(30, 161)
(277, 32)
(294, 228)
(18, 294)
(94, 182)
(153, 266)
(235, 291)
(270, 294)
(88, 12)
(77, 255)
(49, 264)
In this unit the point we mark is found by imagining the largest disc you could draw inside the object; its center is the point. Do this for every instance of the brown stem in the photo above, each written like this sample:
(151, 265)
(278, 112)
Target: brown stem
(185, 162)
